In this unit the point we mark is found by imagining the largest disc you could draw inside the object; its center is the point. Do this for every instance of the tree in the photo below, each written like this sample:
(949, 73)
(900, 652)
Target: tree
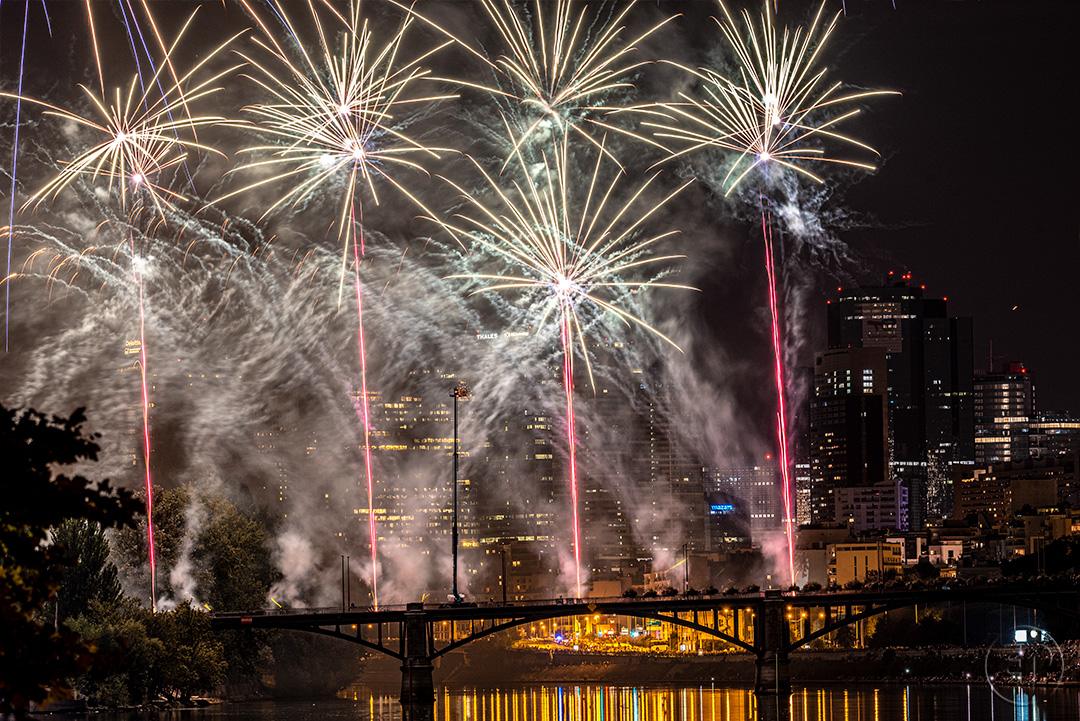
(194, 662)
(91, 575)
(131, 545)
(146, 655)
(232, 557)
(128, 671)
(36, 655)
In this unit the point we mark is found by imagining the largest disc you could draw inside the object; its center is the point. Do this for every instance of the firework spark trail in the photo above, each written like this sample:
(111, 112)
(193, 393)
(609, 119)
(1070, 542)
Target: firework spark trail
(138, 277)
(141, 142)
(567, 77)
(765, 117)
(14, 166)
(568, 385)
(335, 114)
(781, 394)
(366, 413)
(568, 263)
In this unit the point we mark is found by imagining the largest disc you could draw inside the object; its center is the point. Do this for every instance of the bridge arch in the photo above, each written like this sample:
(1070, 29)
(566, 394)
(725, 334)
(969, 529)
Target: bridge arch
(1004, 599)
(557, 613)
(357, 639)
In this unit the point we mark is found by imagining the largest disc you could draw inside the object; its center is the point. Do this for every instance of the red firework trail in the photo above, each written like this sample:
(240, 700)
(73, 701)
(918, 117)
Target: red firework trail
(781, 415)
(568, 384)
(137, 276)
(358, 251)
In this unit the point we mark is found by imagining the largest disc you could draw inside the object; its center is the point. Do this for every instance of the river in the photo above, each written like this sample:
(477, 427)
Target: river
(589, 702)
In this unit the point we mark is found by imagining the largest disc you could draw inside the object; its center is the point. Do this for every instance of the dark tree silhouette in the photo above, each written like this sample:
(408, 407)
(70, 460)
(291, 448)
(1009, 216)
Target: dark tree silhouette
(37, 655)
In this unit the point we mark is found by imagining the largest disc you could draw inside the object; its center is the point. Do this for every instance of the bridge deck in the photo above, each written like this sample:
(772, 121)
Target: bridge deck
(1065, 599)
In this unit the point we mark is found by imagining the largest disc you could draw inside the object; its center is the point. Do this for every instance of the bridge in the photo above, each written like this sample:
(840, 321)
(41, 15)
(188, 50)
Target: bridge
(770, 625)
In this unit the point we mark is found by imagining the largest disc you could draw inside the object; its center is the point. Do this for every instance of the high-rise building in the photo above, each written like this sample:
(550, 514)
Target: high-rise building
(1053, 434)
(1004, 408)
(758, 489)
(271, 444)
(728, 522)
(642, 490)
(930, 371)
(412, 438)
(515, 498)
(849, 426)
(132, 443)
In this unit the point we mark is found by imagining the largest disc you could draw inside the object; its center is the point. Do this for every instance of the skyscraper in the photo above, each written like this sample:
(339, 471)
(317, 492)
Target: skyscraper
(642, 489)
(757, 486)
(930, 371)
(849, 425)
(1004, 407)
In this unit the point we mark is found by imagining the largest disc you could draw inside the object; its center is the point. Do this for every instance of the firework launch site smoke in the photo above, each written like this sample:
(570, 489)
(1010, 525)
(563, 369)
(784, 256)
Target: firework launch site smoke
(251, 327)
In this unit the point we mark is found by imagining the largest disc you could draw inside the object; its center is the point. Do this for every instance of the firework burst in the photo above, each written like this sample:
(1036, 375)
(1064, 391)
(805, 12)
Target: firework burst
(137, 137)
(340, 112)
(338, 118)
(559, 67)
(774, 111)
(569, 252)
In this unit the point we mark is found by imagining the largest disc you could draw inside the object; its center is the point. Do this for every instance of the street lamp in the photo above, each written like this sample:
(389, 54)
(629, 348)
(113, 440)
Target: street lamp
(686, 567)
(502, 553)
(459, 391)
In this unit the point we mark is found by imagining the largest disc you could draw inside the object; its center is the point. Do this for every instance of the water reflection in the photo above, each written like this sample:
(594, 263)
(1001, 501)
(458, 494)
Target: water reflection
(570, 702)
(582, 702)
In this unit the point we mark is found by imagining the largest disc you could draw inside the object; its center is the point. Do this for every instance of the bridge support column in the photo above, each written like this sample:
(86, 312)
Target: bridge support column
(417, 687)
(773, 676)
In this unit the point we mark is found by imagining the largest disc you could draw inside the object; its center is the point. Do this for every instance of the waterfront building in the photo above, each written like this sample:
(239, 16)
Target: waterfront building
(854, 561)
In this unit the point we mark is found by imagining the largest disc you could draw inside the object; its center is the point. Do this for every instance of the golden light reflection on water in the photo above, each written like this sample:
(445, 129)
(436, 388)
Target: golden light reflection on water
(581, 702)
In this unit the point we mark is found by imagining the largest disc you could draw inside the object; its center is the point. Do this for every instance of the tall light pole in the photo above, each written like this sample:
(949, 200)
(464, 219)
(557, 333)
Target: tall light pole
(459, 391)
(686, 567)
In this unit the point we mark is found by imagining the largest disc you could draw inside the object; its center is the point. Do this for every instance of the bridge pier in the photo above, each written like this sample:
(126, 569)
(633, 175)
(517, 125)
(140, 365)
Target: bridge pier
(417, 687)
(772, 707)
(773, 677)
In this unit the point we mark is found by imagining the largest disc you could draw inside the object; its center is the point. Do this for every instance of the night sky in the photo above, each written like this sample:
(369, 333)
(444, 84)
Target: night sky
(974, 193)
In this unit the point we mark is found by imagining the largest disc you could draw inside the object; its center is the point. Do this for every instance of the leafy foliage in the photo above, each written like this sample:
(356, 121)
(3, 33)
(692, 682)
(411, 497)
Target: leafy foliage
(130, 545)
(91, 577)
(37, 656)
(1059, 556)
(147, 655)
